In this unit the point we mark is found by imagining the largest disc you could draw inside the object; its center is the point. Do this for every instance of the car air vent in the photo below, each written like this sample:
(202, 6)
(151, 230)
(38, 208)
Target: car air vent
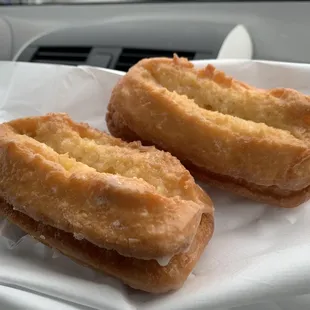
(62, 55)
(130, 56)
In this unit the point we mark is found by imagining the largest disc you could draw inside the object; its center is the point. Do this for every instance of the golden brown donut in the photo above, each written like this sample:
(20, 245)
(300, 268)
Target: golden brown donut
(250, 141)
(145, 275)
(63, 178)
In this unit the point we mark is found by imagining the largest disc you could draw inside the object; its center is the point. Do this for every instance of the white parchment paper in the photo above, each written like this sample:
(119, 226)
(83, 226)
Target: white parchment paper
(259, 257)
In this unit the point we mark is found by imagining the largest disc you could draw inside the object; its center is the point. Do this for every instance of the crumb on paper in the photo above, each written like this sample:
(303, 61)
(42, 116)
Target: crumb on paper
(56, 254)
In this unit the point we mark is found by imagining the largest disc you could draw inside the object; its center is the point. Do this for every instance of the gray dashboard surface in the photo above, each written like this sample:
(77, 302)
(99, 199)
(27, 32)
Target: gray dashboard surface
(118, 44)
(280, 31)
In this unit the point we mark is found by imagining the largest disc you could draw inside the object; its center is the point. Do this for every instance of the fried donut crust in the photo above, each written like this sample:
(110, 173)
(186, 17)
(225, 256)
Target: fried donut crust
(138, 201)
(146, 275)
(250, 141)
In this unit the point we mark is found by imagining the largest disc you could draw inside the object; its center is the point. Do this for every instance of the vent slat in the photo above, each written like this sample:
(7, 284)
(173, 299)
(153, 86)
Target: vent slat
(62, 55)
(64, 58)
(60, 62)
(124, 63)
(65, 49)
(145, 55)
(130, 56)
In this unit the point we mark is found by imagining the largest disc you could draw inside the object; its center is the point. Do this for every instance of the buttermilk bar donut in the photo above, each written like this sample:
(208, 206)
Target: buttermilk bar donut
(250, 141)
(131, 211)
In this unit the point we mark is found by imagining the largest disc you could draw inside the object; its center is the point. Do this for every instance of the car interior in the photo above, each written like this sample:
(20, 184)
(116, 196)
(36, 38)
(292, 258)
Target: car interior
(116, 34)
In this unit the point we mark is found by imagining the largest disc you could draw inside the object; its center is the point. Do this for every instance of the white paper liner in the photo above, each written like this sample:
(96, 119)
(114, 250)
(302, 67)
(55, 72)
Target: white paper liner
(258, 254)
(12, 233)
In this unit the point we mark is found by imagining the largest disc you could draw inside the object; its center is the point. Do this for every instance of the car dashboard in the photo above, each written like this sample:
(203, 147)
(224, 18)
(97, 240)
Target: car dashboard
(117, 35)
